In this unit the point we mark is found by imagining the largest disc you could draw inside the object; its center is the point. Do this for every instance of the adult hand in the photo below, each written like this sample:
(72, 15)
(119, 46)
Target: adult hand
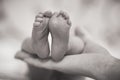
(93, 65)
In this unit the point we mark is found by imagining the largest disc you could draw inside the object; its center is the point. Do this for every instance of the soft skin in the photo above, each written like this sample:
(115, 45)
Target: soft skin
(62, 43)
(38, 43)
(96, 64)
(87, 64)
(59, 26)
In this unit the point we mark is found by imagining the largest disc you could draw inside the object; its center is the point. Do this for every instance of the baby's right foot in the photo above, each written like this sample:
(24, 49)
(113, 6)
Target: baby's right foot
(59, 26)
(40, 35)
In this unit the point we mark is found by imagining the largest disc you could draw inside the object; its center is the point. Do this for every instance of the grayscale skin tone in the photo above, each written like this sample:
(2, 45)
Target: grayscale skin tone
(40, 36)
(38, 43)
(92, 51)
(58, 24)
(88, 63)
(100, 15)
(74, 46)
(62, 43)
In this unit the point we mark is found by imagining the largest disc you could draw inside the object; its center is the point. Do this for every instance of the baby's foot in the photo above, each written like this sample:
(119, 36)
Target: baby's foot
(40, 35)
(59, 26)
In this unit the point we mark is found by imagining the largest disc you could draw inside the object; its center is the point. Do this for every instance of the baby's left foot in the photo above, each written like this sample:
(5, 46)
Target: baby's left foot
(59, 26)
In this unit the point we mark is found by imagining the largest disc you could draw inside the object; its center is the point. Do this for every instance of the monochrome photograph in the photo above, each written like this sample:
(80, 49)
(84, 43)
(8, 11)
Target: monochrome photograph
(59, 39)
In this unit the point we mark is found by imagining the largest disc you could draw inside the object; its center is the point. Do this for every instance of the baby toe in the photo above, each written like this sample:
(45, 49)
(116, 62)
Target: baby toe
(36, 24)
(64, 14)
(48, 14)
(38, 20)
(40, 15)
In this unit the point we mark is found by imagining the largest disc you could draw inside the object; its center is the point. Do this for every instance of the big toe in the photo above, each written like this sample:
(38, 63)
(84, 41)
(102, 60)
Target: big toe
(48, 14)
(56, 14)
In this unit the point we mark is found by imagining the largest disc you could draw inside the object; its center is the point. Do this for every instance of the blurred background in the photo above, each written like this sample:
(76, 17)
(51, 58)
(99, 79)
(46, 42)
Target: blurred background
(16, 20)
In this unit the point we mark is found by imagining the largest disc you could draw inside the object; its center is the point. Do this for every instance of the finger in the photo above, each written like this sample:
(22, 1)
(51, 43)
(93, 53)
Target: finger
(62, 66)
(70, 64)
(23, 55)
(82, 64)
(47, 64)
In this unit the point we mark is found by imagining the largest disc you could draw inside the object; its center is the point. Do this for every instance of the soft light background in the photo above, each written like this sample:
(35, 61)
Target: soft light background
(18, 25)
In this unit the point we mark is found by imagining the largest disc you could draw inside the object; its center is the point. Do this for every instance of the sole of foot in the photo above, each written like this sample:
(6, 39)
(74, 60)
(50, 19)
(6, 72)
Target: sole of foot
(40, 34)
(59, 26)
